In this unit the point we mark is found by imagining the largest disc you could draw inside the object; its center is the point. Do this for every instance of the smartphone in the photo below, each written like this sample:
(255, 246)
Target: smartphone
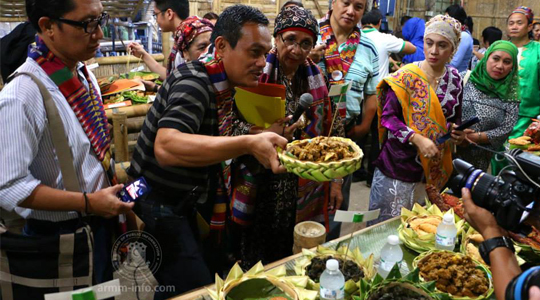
(461, 127)
(134, 190)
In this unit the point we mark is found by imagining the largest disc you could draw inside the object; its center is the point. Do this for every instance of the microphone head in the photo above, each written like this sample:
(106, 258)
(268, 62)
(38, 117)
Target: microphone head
(306, 100)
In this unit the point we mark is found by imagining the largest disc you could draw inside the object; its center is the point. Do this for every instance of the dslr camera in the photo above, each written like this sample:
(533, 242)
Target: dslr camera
(509, 196)
(518, 288)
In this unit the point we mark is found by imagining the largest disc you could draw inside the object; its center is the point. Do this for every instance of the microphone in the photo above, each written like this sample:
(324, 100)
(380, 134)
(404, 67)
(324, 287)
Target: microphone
(304, 103)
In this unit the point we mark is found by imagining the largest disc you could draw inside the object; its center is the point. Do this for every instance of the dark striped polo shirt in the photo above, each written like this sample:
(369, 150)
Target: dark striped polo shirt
(185, 102)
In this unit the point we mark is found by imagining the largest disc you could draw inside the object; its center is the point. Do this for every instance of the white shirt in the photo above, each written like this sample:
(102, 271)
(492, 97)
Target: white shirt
(178, 60)
(28, 158)
(386, 44)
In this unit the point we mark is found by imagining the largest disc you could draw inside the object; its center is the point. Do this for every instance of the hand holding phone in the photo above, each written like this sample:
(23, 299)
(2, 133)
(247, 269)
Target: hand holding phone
(461, 127)
(131, 192)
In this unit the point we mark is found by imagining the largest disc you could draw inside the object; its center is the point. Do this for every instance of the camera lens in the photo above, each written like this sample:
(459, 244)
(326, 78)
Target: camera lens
(464, 170)
(478, 182)
(483, 191)
(518, 288)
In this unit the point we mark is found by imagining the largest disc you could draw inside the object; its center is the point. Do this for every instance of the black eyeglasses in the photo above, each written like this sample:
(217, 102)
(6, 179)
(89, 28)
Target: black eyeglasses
(291, 42)
(155, 14)
(89, 26)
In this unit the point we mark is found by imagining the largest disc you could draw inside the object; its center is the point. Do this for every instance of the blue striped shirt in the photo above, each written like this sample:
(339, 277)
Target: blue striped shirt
(28, 158)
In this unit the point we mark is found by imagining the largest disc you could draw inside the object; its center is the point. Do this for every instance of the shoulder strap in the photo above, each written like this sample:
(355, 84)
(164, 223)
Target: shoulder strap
(59, 136)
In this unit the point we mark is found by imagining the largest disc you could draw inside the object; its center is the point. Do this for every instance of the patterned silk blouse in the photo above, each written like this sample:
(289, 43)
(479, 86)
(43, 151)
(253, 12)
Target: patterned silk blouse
(398, 159)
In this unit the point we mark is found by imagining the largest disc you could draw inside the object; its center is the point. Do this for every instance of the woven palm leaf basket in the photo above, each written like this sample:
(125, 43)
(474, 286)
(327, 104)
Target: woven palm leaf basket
(326, 169)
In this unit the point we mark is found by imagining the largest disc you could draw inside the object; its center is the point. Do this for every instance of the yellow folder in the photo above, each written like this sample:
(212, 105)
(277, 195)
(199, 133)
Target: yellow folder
(261, 106)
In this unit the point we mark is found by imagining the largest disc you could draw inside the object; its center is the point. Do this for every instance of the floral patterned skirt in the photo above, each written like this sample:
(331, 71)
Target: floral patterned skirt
(390, 195)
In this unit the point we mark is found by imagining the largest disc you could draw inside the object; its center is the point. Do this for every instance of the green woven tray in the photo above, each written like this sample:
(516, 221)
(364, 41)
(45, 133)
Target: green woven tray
(322, 171)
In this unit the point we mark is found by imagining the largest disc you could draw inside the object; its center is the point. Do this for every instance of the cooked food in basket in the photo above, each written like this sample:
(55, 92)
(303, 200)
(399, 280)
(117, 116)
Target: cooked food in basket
(398, 291)
(321, 149)
(322, 158)
(455, 274)
(351, 270)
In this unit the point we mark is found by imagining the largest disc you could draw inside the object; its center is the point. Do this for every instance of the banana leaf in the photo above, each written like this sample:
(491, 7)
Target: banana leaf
(466, 240)
(423, 242)
(132, 95)
(258, 284)
(366, 264)
(410, 284)
(256, 289)
(143, 75)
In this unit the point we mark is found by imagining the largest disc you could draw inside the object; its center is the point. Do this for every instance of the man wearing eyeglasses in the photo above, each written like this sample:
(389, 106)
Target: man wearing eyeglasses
(169, 14)
(31, 182)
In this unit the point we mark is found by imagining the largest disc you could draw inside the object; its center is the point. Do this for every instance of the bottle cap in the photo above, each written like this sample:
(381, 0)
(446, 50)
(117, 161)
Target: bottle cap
(448, 219)
(332, 264)
(393, 240)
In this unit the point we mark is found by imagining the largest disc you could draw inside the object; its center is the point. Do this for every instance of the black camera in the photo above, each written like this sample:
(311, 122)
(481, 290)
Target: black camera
(508, 196)
(518, 288)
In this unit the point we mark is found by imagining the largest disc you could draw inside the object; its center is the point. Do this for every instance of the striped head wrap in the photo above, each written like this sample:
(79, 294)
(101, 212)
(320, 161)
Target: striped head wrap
(526, 11)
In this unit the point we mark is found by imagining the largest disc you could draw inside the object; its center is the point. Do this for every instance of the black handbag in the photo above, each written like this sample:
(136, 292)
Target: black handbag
(31, 267)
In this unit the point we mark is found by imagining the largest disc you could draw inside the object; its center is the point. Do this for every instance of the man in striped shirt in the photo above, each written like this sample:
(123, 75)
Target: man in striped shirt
(186, 135)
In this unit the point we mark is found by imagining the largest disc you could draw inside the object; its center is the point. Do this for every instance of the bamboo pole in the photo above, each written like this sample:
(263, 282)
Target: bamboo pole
(121, 152)
(131, 111)
(216, 6)
(111, 60)
(131, 146)
(319, 9)
(134, 125)
(121, 174)
(166, 42)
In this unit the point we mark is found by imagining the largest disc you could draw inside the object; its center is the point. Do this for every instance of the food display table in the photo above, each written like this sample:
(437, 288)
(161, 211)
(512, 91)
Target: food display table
(369, 240)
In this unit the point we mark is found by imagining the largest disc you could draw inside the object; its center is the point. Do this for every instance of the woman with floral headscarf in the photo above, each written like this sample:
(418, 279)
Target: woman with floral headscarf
(191, 39)
(418, 104)
(267, 205)
(491, 94)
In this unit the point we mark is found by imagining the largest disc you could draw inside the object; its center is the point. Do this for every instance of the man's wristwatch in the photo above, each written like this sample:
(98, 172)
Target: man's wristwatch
(338, 180)
(489, 245)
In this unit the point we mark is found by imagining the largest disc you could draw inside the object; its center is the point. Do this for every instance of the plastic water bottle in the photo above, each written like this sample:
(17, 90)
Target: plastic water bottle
(446, 234)
(332, 282)
(391, 254)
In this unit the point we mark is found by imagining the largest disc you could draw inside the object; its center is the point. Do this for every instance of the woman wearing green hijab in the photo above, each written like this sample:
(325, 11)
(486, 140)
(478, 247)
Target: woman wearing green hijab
(491, 94)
